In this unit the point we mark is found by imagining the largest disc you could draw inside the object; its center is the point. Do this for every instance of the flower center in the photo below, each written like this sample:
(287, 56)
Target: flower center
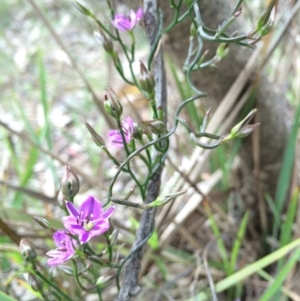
(85, 223)
(87, 226)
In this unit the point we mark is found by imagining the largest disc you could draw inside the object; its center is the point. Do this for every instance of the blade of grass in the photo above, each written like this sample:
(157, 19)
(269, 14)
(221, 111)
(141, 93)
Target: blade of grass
(13, 156)
(287, 230)
(45, 105)
(286, 170)
(250, 269)
(238, 241)
(4, 297)
(219, 240)
(281, 276)
(28, 166)
(287, 226)
(292, 295)
(274, 210)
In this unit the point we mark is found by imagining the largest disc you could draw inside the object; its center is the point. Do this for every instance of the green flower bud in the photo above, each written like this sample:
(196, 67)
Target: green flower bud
(112, 105)
(27, 251)
(222, 51)
(147, 81)
(164, 199)
(82, 8)
(104, 280)
(266, 22)
(104, 41)
(69, 184)
(96, 138)
(242, 129)
(156, 126)
(41, 222)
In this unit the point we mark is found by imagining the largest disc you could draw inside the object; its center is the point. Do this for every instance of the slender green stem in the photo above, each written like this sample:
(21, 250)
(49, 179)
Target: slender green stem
(128, 154)
(182, 105)
(51, 284)
(99, 293)
(109, 248)
(81, 286)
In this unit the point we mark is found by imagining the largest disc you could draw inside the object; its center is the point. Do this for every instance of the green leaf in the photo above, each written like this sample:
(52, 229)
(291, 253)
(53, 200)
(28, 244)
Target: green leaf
(4, 297)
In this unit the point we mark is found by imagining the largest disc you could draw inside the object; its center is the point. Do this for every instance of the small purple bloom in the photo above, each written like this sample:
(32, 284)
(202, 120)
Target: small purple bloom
(89, 221)
(128, 22)
(115, 137)
(64, 248)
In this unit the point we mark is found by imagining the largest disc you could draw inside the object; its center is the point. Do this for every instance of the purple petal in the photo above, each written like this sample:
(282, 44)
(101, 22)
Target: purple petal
(139, 14)
(96, 209)
(85, 237)
(72, 209)
(64, 251)
(100, 228)
(69, 221)
(115, 139)
(54, 261)
(59, 236)
(87, 207)
(121, 23)
(54, 253)
(108, 212)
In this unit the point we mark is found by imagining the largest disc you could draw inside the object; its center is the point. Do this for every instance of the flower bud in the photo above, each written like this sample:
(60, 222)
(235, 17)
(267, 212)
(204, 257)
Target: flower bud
(241, 125)
(96, 138)
(137, 132)
(104, 280)
(238, 12)
(222, 51)
(242, 129)
(266, 22)
(112, 105)
(156, 126)
(147, 82)
(69, 184)
(164, 199)
(41, 222)
(27, 251)
(82, 8)
(104, 41)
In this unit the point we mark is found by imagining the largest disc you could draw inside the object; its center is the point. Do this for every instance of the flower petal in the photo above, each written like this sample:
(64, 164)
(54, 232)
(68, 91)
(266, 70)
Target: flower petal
(72, 209)
(85, 237)
(108, 212)
(87, 207)
(139, 14)
(96, 209)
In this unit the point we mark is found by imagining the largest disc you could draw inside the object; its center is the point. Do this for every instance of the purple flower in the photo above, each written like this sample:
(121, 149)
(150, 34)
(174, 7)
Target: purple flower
(64, 248)
(126, 23)
(89, 220)
(115, 137)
